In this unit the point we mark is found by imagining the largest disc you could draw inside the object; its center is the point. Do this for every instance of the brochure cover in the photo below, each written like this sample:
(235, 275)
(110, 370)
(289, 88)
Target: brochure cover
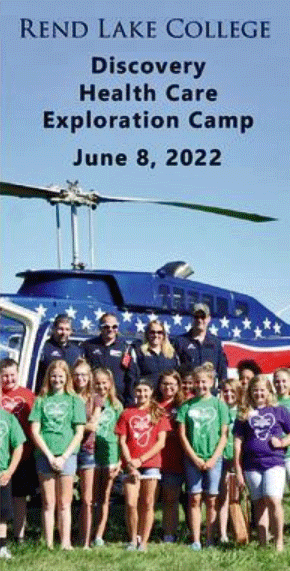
(184, 102)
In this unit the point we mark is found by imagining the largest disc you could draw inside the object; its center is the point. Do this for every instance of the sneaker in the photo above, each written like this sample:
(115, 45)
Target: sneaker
(142, 548)
(195, 546)
(5, 553)
(224, 539)
(99, 542)
(131, 547)
(169, 539)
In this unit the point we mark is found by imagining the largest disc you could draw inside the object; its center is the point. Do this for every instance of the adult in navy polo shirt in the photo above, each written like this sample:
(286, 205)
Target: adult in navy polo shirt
(58, 346)
(154, 356)
(110, 351)
(198, 346)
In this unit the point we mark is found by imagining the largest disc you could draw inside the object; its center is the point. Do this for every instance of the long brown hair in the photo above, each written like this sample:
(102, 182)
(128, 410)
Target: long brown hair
(155, 411)
(88, 394)
(57, 364)
(179, 397)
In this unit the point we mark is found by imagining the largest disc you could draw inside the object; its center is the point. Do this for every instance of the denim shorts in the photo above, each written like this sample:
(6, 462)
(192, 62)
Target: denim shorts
(269, 482)
(6, 511)
(43, 466)
(199, 481)
(147, 473)
(172, 480)
(85, 460)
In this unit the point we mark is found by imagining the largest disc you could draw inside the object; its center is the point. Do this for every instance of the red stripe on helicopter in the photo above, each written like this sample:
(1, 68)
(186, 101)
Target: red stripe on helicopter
(268, 358)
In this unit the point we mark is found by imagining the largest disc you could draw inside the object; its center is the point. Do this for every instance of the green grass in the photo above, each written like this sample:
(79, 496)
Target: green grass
(34, 556)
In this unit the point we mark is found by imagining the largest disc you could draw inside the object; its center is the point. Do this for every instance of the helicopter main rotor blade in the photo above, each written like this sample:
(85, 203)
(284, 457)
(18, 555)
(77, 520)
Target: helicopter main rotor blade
(75, 195)
(251, 216)
(22, 191)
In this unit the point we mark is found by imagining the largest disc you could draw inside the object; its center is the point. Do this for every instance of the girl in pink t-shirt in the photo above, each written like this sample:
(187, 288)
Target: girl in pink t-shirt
(142, 431)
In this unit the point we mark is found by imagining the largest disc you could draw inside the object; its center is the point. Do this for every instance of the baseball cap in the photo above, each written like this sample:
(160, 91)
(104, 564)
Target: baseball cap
(201, 307)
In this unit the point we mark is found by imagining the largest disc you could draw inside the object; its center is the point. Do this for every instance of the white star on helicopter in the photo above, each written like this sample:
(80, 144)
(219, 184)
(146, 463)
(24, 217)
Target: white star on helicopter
(127, 316)
(177, 319)
(140, 325)
(99, 313)
(267, 323)
(247, 323)
(86, 323)
(167, 327)
(277, 328)
(41, 310)
(224, 322)
(71, 312)
(152, 316)
(258, 332)
(213, 329)
(236, 332)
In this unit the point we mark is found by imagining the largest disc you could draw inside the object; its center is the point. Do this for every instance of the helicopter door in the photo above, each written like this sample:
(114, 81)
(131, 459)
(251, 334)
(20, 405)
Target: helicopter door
(18, 328)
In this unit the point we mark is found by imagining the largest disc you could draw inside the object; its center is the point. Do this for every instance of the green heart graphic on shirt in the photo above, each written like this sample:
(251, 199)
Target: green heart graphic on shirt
(3, 431)
(106, 422)
(56, 414)
(202, 416)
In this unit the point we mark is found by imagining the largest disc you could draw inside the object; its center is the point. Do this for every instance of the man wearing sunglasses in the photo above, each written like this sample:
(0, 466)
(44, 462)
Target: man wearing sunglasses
(198, 346)
(58, 346)
(109, 350)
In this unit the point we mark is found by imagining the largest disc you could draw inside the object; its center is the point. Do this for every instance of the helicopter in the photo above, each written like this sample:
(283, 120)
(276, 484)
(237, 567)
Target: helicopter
(247, 329)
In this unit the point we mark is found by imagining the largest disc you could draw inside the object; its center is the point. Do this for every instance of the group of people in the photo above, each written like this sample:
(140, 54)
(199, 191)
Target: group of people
(144, 413)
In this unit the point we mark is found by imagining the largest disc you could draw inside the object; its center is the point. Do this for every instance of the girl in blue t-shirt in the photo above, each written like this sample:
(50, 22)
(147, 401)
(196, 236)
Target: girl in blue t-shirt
(260, 455)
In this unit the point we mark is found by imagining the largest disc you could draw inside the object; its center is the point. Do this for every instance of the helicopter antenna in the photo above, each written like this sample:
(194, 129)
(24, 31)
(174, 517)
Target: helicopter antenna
(58, 237)
(91, 239)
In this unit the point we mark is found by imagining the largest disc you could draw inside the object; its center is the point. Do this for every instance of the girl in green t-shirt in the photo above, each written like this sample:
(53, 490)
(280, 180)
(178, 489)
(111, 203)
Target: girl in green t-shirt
(281, 381)
(203, 432)
(107, 454)
(57, 417)
(231, 394)
(83, 385)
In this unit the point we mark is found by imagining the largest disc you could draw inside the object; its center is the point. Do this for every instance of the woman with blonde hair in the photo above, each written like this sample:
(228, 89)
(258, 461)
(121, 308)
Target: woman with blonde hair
(58, 418)
(154, 356)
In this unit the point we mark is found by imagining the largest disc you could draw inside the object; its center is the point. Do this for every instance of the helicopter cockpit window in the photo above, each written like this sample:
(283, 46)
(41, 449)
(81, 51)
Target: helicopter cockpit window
(164, 296)
(222, 306)
(192, 298)
(11, 338)
(241, 309)
(178, 298)
(208, 299)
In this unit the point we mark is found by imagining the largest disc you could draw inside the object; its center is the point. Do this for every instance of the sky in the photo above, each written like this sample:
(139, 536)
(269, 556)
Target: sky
(250, 77)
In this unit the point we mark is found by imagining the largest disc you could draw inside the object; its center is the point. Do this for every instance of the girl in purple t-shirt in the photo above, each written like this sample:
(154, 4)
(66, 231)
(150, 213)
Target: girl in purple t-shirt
(260, 455)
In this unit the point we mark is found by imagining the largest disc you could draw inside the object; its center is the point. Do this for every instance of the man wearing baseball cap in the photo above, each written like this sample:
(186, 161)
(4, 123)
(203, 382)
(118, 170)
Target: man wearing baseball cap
(198, 346)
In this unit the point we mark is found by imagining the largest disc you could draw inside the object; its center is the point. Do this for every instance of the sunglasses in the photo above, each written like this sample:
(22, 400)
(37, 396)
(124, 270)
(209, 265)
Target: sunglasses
(153, 332)
(106, 326)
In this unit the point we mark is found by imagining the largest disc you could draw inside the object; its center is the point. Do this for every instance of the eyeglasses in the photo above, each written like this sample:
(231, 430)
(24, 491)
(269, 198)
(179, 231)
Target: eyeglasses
(153, 332)
(106, 326)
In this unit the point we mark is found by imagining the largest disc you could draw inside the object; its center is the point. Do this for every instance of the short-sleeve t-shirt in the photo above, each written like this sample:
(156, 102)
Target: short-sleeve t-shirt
(203, 419)
(257, 431)
(172, 453)
(19, 402)
(285, 401)
(229, 448)
(107, 451)
(11, 436)
(58, 415)
(141, 434)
